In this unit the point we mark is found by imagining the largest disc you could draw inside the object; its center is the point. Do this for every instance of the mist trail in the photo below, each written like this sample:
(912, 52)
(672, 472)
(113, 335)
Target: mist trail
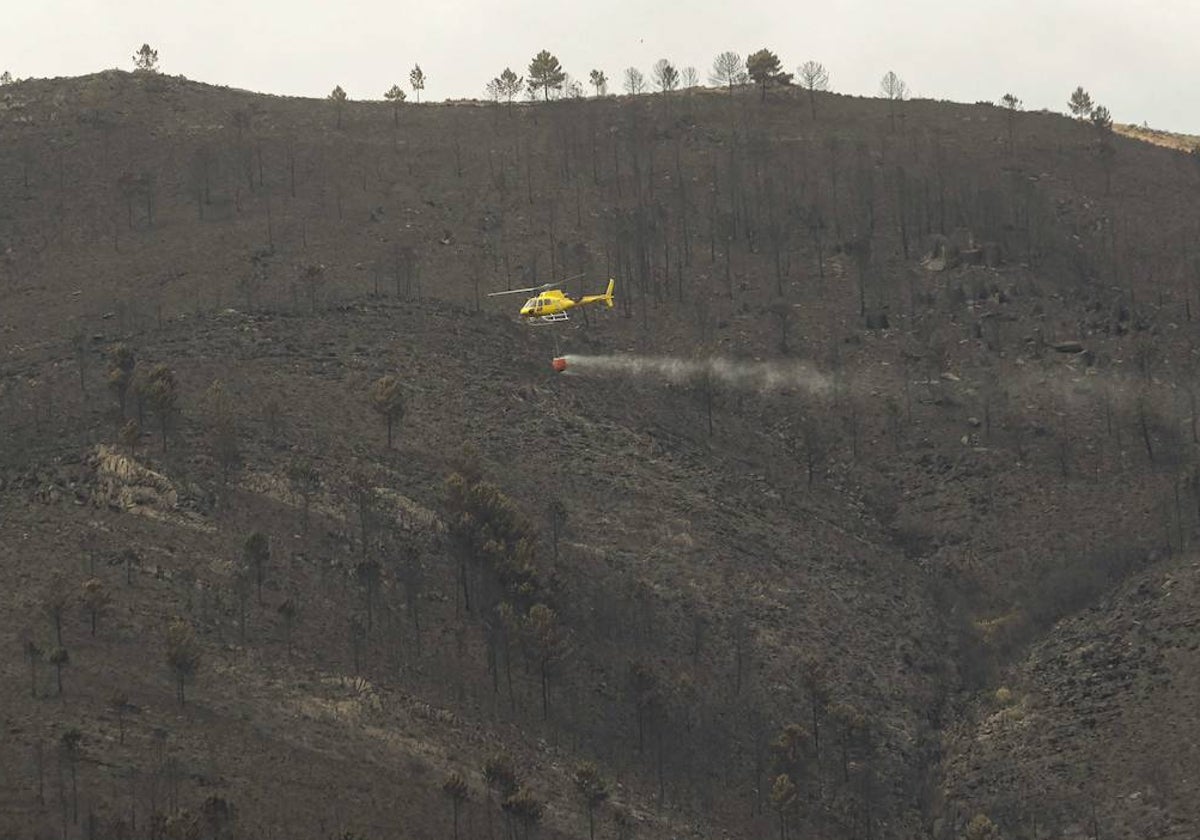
(1056, 386)
(757, 376)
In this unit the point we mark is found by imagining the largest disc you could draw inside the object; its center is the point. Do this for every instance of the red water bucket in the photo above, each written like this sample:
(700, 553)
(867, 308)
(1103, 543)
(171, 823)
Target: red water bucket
(559, 364)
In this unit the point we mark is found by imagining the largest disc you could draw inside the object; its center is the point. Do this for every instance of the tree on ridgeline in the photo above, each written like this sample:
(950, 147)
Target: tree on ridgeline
(599, 81)
(764, 68)
(396, 96)
(665, 75)
(727, 70)
(338, 97)
(1101, 120)
(1080, 103)
(510, 85)
(813, 77)
(545, 74)
(1011, 105)
(416, 80)
(145, 60)
(635, 82)
(894, 89)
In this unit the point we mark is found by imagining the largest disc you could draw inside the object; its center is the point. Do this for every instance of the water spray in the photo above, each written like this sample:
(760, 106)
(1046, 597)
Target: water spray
(750, 375)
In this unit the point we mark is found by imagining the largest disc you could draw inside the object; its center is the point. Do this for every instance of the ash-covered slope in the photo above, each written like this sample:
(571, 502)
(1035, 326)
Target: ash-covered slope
(748, 606)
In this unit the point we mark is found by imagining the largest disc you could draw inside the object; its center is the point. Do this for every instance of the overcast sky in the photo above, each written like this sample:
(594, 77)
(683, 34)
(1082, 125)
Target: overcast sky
(1137, 57)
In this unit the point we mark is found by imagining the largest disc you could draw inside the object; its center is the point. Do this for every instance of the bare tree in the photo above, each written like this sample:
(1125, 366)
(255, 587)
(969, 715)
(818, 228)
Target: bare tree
(689, 78)
(635, 82)
(665, 75)
(894, 89)
(728, 70)
(813, 77)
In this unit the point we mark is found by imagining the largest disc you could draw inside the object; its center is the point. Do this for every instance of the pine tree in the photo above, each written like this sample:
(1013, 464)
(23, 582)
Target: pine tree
(1080, 103)
(764, 68)
(545, 74)
(396, 96)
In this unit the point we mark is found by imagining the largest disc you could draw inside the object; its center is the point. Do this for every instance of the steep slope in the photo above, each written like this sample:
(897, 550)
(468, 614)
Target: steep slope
(996, 339)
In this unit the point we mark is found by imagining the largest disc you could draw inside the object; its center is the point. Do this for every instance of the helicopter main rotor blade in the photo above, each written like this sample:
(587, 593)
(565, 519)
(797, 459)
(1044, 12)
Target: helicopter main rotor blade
(540, 288)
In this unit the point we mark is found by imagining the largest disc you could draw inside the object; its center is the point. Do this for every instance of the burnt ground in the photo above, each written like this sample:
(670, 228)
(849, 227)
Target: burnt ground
(985, 512)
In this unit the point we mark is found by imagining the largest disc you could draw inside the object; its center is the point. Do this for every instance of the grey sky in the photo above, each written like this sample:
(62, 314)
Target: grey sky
(1138, 57)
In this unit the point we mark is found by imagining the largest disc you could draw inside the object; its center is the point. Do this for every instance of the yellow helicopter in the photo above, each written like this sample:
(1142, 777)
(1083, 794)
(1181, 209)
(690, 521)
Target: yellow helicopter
(550, 304)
